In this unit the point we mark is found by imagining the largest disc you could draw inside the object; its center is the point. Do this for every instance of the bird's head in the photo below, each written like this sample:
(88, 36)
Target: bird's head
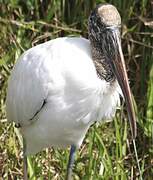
(104, 34)
(102, 21)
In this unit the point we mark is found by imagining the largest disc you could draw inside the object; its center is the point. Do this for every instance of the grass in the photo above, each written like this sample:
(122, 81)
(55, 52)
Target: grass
(107, 151)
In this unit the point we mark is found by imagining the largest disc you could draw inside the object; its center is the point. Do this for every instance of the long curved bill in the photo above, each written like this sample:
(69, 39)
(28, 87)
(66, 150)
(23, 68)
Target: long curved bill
(119, 69)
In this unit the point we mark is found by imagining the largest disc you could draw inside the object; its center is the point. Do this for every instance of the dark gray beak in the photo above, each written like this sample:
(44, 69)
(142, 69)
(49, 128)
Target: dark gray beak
(119, 69)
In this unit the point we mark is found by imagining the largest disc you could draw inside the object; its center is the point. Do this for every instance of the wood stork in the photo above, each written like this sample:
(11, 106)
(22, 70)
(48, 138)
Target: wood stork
(59, 88)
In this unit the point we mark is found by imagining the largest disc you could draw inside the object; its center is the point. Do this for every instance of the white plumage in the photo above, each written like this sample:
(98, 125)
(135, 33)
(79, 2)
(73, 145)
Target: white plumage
(62, 74)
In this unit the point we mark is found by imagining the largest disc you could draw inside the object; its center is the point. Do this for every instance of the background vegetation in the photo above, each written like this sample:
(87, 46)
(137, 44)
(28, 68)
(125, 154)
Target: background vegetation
(107, 151)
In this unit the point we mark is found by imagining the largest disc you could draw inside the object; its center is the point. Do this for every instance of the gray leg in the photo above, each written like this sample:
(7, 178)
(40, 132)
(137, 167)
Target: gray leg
(71, 163)
(25, 165)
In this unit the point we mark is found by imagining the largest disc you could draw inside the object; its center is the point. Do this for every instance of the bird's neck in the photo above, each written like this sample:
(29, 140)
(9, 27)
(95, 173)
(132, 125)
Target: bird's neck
(102, 66)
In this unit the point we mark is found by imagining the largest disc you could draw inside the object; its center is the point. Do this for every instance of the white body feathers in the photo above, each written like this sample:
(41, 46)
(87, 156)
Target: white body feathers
(62, 73)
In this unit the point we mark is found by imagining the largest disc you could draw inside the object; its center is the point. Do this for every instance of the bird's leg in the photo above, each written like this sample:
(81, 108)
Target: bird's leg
(71, 163)
(25, 164)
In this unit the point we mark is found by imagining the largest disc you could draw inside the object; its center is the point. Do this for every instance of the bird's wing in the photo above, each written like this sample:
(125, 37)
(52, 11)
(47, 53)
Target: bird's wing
(28, 85)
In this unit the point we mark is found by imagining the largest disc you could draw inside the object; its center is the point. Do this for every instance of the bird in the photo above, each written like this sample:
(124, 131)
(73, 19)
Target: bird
(59, 88)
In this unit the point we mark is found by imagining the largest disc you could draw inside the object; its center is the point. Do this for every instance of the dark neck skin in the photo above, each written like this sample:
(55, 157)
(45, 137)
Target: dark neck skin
(102, 67)
(103, 44)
